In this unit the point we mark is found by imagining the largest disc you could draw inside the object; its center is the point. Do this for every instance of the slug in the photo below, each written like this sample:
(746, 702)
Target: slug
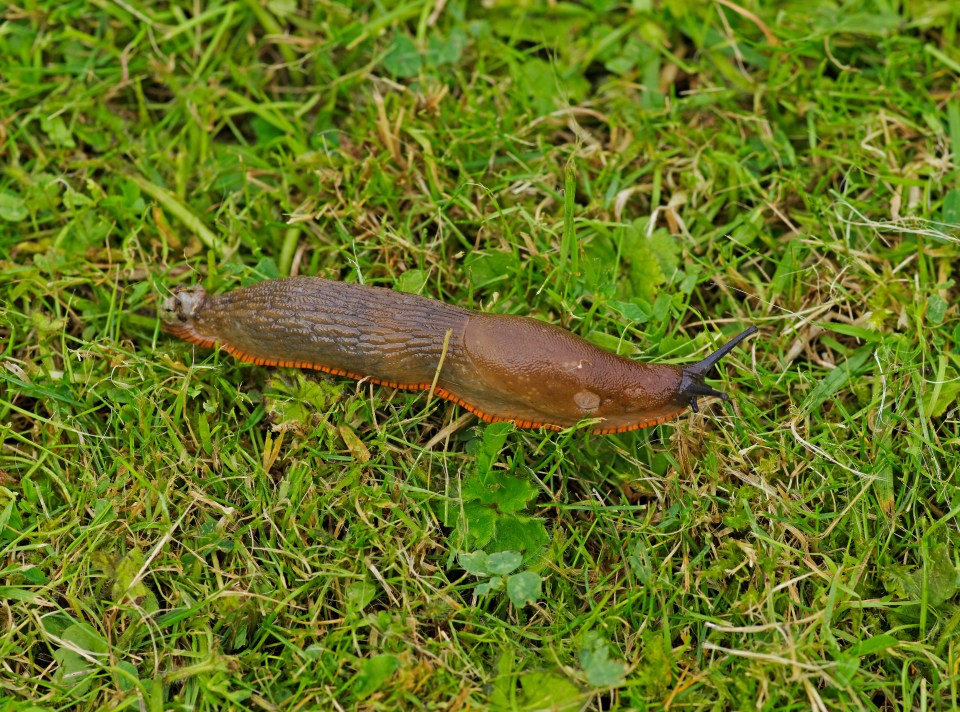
(497, 366)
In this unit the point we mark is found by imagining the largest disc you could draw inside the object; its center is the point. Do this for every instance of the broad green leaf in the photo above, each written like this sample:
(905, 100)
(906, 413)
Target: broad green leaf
(294, 402)
(477, 525)
(946, 396)
(56, 128)
(12, 208)
(494, 436)
(486, 268)
(124, 589)
(403, 58)
(78, 657)
(936, 309)
(951, 206)
(73, 671)
(491, 585)
(513, 493)
(127, 675)
(503, 562)
(446, 50)
(832, 20)
(373, 673)
(266, 268)
(524, 588)
(476, 563)
(539, 691)
(86, 638)
(632, 311)
(282, 8)
(265, 131)
(837, 378)
(547, 691)
(845, 669)
(941, 575)
(412, 281)
(75, 200)
(856, 331)
(600, 669)
(360, 594)
(874, 645)
(519, 533)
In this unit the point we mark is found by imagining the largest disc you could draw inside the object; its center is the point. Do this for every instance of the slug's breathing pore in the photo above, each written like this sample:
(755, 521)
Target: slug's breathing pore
(497, 366)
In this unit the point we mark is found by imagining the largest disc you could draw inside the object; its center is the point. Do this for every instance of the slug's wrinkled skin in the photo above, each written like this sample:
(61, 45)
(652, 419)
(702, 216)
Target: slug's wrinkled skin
(500, 367)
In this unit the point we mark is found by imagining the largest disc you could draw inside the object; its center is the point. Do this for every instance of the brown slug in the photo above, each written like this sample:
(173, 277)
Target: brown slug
(497, 366)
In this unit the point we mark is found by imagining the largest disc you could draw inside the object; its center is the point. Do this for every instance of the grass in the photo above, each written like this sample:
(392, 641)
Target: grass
(181, 531)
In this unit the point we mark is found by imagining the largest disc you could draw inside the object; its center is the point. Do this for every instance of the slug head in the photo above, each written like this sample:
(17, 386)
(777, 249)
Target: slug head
(692, 377)
(181, 306)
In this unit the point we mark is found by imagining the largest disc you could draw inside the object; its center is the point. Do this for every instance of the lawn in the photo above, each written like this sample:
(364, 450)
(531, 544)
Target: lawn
(183, 531)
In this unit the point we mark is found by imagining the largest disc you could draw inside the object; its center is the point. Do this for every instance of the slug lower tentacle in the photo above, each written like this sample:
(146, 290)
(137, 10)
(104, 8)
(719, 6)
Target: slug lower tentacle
(498, 366)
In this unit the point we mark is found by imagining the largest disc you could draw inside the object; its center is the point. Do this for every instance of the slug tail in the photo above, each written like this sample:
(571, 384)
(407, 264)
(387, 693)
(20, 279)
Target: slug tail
(692, 377)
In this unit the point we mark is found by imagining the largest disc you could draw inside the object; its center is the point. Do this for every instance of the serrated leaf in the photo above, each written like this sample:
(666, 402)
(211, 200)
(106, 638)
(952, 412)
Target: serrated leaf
(667, 251)
(651, 259)
(519, 533)
(473, 488)
(503, 562)
(292, 402)
(494, 436)
(524, 588)
(477, 525)
(512, 494)
(897, 579)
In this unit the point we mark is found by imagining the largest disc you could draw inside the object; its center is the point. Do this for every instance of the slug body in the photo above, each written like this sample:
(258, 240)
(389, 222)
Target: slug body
(499, 367)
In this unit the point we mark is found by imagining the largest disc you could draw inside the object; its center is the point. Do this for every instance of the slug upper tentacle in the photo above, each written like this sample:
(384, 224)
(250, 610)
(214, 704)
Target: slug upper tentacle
(691, 381)
(500, 367)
